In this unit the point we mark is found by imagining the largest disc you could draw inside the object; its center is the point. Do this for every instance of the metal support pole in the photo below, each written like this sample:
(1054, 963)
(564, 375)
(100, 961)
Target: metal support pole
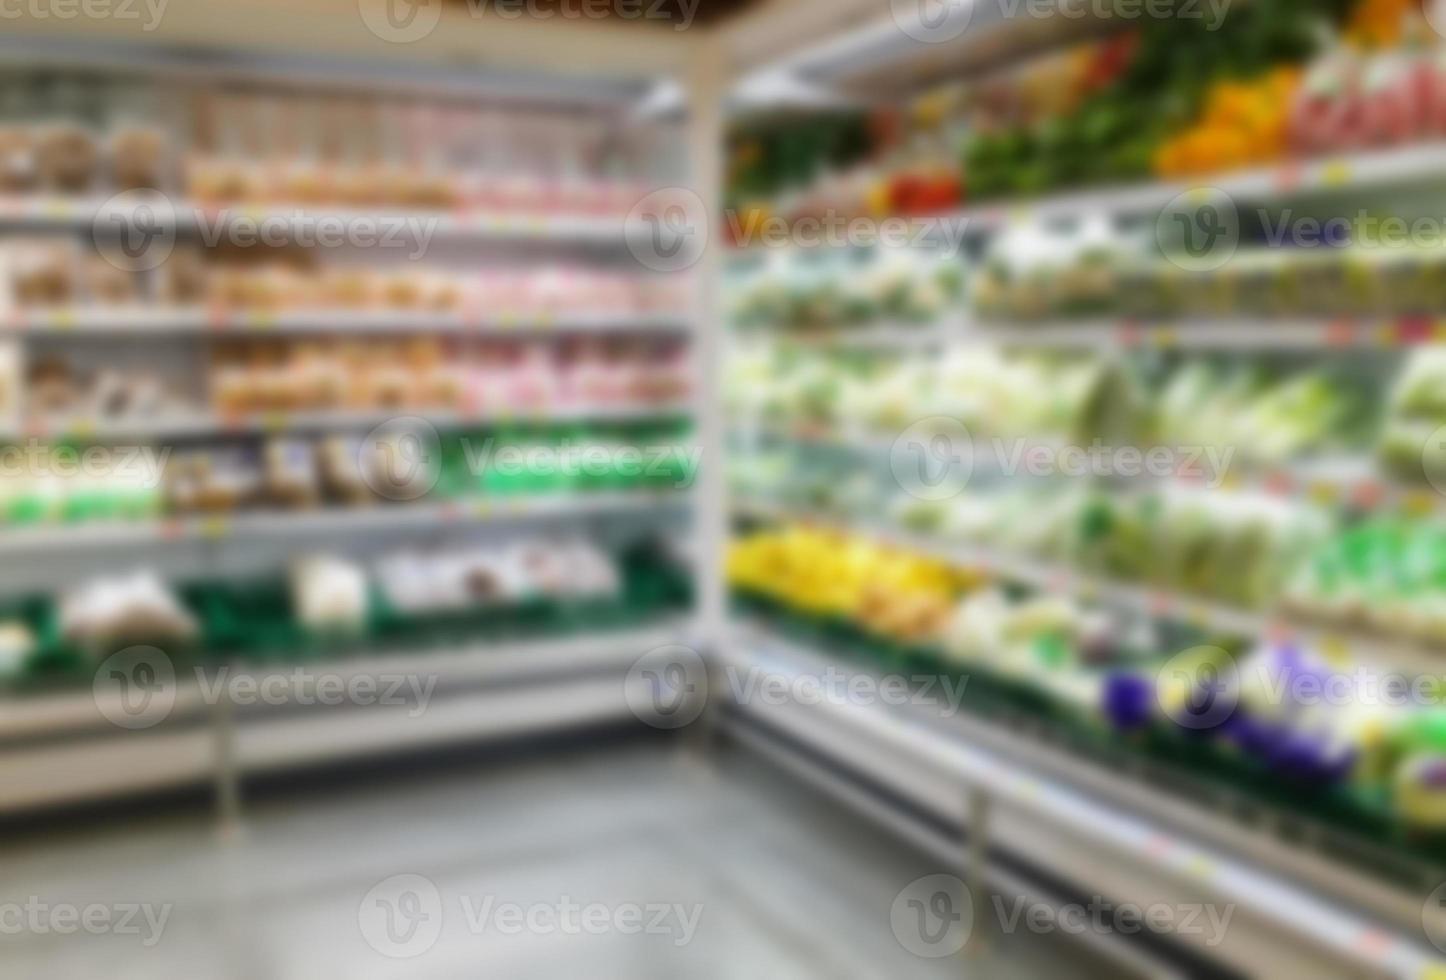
(226, 767)
(976, 868)
(704, 85)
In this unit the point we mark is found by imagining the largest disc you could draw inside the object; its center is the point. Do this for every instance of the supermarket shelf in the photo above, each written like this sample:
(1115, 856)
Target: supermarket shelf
(885, 337)
(1386, 652)
(1341, 174)
(943, 847)
(143, 321)
(33, 211)
(30, 717)
(880, 60)
(206, 423)
(1112, 835)
(292, 524)
(1114, 334)
(1332, 481)
(59, 748)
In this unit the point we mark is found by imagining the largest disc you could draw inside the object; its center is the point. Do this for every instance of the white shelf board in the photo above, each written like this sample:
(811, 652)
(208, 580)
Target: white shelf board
(285, 524)
(160, 321)
(506, 226)
(1338, 174)
(206, 423)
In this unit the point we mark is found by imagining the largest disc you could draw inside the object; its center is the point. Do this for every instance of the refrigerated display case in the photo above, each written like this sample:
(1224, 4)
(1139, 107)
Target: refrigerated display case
(835, 387)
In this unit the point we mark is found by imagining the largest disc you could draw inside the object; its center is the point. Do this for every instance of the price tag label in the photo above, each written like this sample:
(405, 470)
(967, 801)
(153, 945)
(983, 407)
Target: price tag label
(1336, 173)
(1368, 495)
(1164, 338)
(1200, 868)
(63, 319)
(214, 527)
(483, 509)
(1419, 503)
(1279, 483)
(1335, 649)
(1287, 178)
(1341, 333)
(1323, 492)
(1158, 846)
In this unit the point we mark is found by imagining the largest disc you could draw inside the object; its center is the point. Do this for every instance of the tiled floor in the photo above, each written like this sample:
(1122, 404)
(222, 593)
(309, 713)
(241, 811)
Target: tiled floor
(781, 882)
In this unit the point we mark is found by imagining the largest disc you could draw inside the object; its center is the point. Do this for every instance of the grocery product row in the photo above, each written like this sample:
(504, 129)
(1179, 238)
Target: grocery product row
(1265, 84)
(474, 378)
(330, 605)
(401, 463)
(1244, 711)
(1031, 273)
(1079, 274)
(1247, 557)
(220, 144)
(1251, 414)
(845, 289)
(44, 275)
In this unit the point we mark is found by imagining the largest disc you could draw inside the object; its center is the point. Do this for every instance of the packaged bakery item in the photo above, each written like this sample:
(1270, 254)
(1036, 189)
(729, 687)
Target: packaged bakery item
(182, 278)
(103, 613)
(65, 159)
(108, 285)
(289, 477)
(41, 273)
(339, 462)
(329, 594)
(137, 158)
(212, 481)
(17, 643)
(17, 160)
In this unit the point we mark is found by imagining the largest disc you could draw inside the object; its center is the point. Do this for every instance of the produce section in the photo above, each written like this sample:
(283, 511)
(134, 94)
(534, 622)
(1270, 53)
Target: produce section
(1170, 444)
